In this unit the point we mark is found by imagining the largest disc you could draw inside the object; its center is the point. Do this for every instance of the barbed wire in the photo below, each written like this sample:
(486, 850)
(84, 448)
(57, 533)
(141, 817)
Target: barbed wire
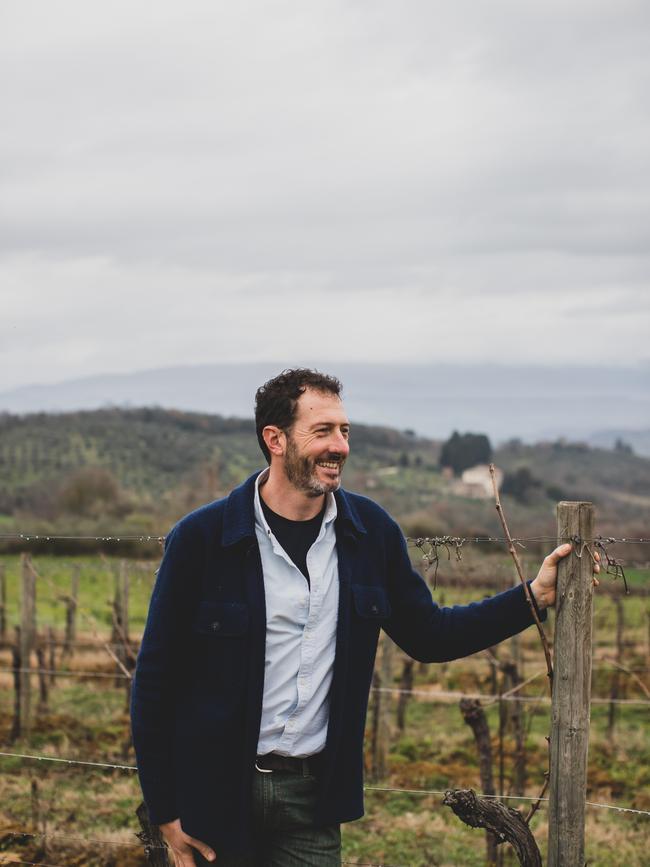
(57, 835)
(113, 537)
(493, 698)
(88, 644)
(504, 798)
(473, 540)
(431, 546)
(105, 765)
(67, 673)
(439, 540)
(432, 696)
(92, 674)
(366, 787)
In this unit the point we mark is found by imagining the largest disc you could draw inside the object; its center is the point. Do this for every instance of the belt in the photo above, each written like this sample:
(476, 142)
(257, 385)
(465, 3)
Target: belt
(273, 762)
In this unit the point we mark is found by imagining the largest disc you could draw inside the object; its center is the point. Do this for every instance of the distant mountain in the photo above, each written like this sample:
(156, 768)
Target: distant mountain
(638, 440)
(530, 403)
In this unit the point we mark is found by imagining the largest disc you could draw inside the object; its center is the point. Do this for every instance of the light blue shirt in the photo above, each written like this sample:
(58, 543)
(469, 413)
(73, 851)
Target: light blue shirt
(301, 622)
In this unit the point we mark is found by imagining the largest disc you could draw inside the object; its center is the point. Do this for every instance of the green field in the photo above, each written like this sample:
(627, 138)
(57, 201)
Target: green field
(86, 719)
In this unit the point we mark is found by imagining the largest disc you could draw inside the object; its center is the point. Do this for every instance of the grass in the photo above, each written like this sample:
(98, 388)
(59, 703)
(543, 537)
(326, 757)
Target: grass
(87, 720)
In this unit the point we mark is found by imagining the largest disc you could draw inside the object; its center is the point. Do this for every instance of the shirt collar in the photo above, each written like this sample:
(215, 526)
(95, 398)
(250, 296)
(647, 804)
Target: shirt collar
(331, 510)
(239, 513)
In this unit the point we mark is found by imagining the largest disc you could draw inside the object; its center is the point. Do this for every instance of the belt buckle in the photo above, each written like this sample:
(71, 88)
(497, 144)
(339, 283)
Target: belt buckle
(263, 770)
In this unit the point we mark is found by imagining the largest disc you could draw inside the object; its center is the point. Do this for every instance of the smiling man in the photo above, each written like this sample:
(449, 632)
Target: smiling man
(252, 683)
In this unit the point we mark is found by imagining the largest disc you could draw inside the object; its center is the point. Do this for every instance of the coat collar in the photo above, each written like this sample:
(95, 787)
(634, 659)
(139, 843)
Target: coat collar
(239, 514)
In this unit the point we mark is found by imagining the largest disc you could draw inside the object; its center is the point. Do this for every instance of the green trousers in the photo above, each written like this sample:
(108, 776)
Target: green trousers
(285, 834)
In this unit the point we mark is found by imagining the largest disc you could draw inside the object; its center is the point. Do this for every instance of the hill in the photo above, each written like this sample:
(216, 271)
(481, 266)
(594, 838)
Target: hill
(528, 401)
(140, 469)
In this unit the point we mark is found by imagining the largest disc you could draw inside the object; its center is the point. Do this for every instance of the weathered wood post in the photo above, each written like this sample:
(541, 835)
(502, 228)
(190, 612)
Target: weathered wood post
(71, 614)
(51, 654)
(27, 638)
(3, 603)
(119, 634)
(43, 680)
(124, 578)
(406, 687)
(16, 662)
(571, 688)
(616, 674)
(384, 733)
(381, 727)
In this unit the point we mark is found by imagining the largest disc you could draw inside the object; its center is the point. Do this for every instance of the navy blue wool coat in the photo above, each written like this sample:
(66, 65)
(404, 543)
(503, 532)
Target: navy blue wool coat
(197, 692)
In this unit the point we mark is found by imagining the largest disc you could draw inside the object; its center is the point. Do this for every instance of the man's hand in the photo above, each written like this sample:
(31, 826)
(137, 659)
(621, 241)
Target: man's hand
(182, 845)
(543, 587)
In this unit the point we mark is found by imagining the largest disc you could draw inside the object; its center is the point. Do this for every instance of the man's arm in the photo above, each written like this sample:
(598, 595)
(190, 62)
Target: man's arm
(159, 666)
(430, 633)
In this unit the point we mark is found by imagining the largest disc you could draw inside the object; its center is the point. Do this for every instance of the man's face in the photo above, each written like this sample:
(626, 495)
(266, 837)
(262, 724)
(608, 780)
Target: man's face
(317, 443)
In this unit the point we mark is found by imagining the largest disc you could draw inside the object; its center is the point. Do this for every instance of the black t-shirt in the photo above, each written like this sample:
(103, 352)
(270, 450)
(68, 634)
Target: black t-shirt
(296, 537)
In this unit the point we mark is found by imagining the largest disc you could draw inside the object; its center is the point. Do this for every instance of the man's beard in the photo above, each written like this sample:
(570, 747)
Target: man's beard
(303, 475)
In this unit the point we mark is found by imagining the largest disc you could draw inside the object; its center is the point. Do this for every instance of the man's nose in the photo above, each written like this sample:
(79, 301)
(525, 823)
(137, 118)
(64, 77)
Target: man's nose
(340, 443)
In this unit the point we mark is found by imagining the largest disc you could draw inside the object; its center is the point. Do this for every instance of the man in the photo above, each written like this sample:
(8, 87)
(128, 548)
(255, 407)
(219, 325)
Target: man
(251, 689)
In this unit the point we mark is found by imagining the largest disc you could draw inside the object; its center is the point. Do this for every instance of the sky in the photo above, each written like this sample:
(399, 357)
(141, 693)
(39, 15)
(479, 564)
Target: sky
(198, 182)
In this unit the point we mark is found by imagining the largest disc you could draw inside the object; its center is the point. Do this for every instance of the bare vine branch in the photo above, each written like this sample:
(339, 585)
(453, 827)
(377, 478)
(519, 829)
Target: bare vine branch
(520, 572)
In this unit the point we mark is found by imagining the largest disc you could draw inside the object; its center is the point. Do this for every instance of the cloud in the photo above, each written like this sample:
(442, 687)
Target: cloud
(391, 163)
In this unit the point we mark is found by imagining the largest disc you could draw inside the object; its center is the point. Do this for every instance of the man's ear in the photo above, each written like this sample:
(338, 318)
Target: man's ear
(275, 439)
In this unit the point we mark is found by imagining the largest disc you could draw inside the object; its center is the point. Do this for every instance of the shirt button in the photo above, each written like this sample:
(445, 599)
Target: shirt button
(216, 626)
(374, 609)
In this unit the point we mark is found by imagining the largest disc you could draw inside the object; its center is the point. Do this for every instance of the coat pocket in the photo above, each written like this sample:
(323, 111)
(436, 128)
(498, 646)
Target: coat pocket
(222, 619)
(219, 654)
(371, 603)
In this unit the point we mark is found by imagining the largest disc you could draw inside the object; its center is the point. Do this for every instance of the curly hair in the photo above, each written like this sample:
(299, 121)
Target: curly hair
(276, 400)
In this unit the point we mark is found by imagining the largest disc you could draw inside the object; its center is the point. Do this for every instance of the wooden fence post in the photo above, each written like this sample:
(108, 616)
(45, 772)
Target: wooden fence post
(16, 662)
(51, 655)
(3, 603)
(384, 733)
(120, 631)
(616, 674)
(406, 687)
(571, 688)
(43, 680)
(381, 718)
(124, 578)
(27, 639)
(71, 614)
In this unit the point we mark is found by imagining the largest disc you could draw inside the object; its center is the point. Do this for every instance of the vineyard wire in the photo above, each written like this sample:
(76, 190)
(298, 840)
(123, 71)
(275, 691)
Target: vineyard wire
(366, 787)
(489, 698)
(441, 539)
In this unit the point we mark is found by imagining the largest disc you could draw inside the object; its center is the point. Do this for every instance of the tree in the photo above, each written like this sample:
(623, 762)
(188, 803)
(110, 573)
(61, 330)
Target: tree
(461, 451)
(520, 485)
(91, 491)
(622, 447)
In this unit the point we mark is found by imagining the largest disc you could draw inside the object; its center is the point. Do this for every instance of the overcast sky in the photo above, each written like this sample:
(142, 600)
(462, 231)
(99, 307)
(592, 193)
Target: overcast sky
(189, 182)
